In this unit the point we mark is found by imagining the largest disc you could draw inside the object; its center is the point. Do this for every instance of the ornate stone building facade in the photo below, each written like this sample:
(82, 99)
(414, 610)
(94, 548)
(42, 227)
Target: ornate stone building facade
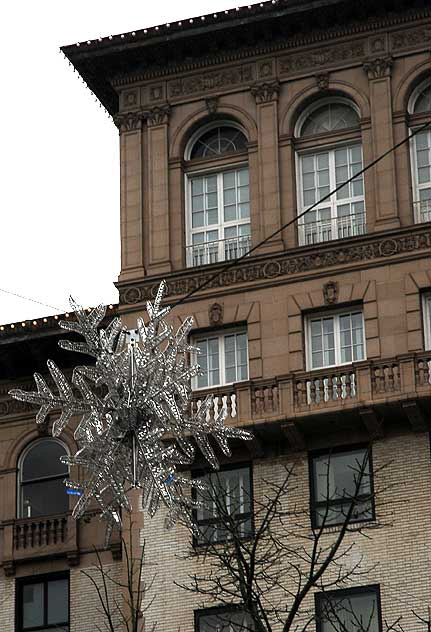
(231, 125)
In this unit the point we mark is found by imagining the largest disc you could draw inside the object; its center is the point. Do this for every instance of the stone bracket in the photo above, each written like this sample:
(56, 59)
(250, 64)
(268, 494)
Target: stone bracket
(294, 436)
(415, 416)
(372, 422)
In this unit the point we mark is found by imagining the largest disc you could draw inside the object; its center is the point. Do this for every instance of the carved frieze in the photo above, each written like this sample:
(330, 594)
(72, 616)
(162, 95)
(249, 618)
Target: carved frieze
(284, 265)
(128, 121)
(411, 38)
(266, 91)
(157, 115)
(157, 92)
(378, 67)
(130, 98)
(324, 56)
(208, 81)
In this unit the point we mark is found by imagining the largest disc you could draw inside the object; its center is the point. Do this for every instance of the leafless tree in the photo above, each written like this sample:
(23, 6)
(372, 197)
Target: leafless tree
(123, 602)
(269, 567)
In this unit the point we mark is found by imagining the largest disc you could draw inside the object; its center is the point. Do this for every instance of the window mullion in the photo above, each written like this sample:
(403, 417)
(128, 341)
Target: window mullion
(221, 360)
(337, 340)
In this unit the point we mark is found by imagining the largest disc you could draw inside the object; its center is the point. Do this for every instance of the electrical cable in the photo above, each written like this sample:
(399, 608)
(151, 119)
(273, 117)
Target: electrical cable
(32, 300)
(234, 262)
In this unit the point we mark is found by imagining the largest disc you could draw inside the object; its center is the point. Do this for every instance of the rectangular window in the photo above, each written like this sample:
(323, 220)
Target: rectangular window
(228, 492)
(223, 358)
(422, 175)
(335, 340)
(337, 478)
(219, 217)
(43, 603)
(222, 620)
(343, 214)
(426, 306)
(352, 610)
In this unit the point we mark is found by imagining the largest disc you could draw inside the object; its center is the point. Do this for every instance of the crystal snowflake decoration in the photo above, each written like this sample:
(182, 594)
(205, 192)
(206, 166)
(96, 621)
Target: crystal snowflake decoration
(134, 408)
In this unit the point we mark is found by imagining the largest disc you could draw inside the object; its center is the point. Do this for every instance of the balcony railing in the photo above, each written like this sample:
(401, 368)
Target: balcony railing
(423, 211)
(362, 384)
(329, 229)
(215, 251)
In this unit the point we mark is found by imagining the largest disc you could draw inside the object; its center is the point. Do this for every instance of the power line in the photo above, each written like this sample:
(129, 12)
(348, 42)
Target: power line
(32, 300)
(234, 262)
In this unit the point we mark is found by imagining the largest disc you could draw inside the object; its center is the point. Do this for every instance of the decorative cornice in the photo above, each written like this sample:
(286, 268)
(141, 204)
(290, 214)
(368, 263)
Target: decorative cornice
(266, 91)
(400, 40)
(285, 264)
(379, 67)
(128, 121)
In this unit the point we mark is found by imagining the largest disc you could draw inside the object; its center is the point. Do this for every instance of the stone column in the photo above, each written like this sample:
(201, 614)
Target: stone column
(158, 189)
(131, 196)
(379, 75)
(266, 95)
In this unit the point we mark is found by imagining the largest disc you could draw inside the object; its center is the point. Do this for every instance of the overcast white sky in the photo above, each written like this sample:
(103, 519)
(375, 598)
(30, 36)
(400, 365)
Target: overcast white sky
(59, 177)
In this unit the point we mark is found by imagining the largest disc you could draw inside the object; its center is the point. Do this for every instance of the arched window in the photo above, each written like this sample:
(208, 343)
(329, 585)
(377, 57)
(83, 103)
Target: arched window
(218, 195)
(333, 124)
(41, 476)
(420, 104)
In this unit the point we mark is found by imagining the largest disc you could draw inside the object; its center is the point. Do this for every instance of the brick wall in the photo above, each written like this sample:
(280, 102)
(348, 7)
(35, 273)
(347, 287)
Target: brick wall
(399, 541)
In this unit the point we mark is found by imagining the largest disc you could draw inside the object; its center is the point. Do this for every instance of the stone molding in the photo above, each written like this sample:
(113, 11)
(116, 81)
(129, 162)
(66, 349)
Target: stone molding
(405, 38)
(266, 91)
(283, 265)
(379, 67)
(157, 115)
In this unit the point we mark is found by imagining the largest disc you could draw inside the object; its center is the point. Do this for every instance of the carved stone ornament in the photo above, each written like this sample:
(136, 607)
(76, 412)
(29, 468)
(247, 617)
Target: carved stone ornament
(323, 56)
(212, 104)
(265, 92)
(158, 115)
(285, 265)
(128, 121)
(330, 292)
(322, 80)
(379, 67)
(9, 568)
(215, 313)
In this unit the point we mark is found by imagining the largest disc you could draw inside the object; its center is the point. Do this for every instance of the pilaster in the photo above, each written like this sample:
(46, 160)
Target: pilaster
(266, 95)
(379, 70)
(157, 119)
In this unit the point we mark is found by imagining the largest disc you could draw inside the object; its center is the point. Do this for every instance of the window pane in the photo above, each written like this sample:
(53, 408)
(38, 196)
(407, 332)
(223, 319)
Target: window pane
(336, 477)
(44, 498)
(211, 184)
(32, 605)
(43, 459)
(226, 622)
(353, 613)
(330, 117)
(58, 601)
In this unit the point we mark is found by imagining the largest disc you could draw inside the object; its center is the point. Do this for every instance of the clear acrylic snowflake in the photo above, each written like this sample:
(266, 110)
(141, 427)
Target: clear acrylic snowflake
(135, 421)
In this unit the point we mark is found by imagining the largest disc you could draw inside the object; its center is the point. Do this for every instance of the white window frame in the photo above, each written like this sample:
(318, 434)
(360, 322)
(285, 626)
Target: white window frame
(413, 157)
(415, 181)
(337, 339)
(221, 225)
(426, 311)
(222, 368)
(28, 448)
(333, 224)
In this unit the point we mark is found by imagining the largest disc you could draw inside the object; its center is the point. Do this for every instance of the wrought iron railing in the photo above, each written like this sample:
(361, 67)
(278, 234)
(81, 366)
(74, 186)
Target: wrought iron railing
(329, 229)
(215, 251)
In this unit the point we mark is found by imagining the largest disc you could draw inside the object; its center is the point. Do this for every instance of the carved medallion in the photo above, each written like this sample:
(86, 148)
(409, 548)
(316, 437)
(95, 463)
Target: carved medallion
(330, 292)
